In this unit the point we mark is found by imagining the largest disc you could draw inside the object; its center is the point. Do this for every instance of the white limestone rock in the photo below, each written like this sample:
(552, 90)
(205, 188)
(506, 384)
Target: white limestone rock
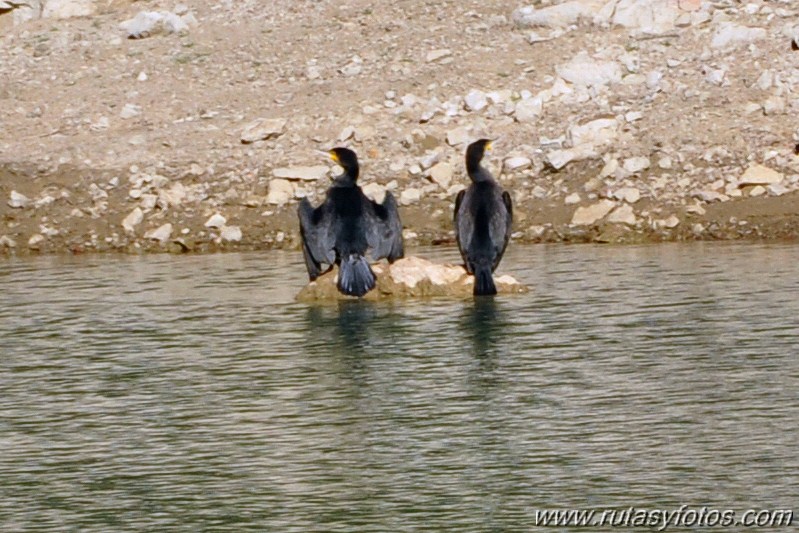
(133, 219)
(759, 175)
(18, 200)
(263, 129)
(623, 214)
(557, 16)
(585, 71)
(312, 173)
(230, 233)
(160, 234)
(730, 35)
(215, 221)
(280, 192)
(588, 215)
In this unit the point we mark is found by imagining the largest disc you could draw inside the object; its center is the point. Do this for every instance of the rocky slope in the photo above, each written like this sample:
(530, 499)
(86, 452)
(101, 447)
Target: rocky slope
(193, 126)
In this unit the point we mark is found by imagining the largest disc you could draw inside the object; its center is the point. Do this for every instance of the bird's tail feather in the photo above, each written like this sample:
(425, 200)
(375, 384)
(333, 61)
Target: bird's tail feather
(483, 281)
(355, 277)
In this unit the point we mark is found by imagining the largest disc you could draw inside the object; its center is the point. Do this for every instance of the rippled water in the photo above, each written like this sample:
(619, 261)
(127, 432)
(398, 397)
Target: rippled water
(193, 393)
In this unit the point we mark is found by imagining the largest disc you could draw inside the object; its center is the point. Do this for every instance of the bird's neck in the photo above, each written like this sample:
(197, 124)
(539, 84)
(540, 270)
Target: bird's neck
(348, 179)
(477, 173)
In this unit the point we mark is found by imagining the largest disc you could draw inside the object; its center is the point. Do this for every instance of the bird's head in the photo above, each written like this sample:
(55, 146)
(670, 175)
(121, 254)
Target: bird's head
(346, 159)
(475, 153)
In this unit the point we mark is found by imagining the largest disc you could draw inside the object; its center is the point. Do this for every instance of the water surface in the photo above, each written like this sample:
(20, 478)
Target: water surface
(192, 393)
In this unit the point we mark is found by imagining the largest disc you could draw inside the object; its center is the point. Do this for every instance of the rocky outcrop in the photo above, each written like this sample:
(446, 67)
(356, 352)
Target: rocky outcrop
(410, 277)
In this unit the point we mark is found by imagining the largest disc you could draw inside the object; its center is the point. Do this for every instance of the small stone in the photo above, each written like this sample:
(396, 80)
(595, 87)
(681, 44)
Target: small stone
(312, 173)
(374, 191)
(475, 100)
(130, 111)
(280, 192)
(215, 221)
(634, 165)
(730, 35)
(230, 233)
(757, 190)
(35, 240)
(263, 129)
(436, 55)
(665, 162)
(160, 234)
(573, 198)
(410, 196)
(441, 174)
(7, 242)
(132, 220)
(585, 216)
(585, 71)
(148, 201)
(457, 136)
(517, 163)
(671, 222)
(778, 189)
(528, 110)
(628, 194)
(623, 214)
(774, 105)
(695, 209)
(18, 200)
(759, 175)
(597, 132)
(142, 76)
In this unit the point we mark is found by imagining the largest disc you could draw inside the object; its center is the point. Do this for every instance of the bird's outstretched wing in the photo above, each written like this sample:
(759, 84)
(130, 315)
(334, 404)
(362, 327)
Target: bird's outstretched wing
(501, 227)
(464, 227)
(318, 237)
(384, 229)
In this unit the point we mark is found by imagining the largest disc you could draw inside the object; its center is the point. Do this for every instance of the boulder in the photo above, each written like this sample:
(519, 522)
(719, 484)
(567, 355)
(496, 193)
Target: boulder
(410, 277)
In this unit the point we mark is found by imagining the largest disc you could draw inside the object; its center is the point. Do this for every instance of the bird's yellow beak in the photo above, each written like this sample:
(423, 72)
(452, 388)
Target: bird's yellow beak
(489, 145)
(334, 156)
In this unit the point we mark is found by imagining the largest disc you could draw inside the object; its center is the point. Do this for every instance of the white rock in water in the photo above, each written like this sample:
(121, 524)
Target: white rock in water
(528, 110)
(517, 163)
(280, 192)
(623, 214)
(436, 55)
(731, 35)
(263, 129)
(35, 240)
(18, 200)
(410, 196)
(133, 219)
(441, 174)
(557, 16)
(585, 216)
(760, 175)
(597, 132)
(301, 173)
(628, 194)
(636, 164)
(62, 9)
(475, 100)
(7, 242)
(160, 234)
(585, 71)
(458, 136)
(230, 233)
(215, 221)
(374, 191)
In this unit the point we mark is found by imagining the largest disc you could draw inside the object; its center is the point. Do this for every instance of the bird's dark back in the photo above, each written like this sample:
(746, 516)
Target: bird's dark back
(484, 199)
(348, 204)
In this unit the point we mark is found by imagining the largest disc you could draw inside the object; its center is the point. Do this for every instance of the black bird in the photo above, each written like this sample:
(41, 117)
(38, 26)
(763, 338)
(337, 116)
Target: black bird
(346, 226)
(483, 216)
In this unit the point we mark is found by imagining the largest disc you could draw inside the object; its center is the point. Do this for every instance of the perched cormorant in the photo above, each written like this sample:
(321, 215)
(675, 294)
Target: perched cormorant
(346, 226)
(483, 216)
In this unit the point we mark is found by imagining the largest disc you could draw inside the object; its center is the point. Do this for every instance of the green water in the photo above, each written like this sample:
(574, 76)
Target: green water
(169, 393)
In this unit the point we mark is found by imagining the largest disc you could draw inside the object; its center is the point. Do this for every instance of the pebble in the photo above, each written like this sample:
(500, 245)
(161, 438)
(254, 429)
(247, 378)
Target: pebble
(730, 35)
(759, 175)
(311, 173)
(280, 192)
(628, 194)
(573, 198)
(263, 129)
(528, 110)
(410, 196)
(774, 105)
(160, 234)
(671, 222)
(215, 221)
(457, 136)
(18, 200)
(585, 71)
(585, 216)
(437, 55)
(636, 164)
(623, 214)
(374, 191)
(130, 111)
(230, 233)
(7, 242)
(757, 190)
(133, 219)
(517, 163)
(475, 100)
(35, 240)
(441, 174)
